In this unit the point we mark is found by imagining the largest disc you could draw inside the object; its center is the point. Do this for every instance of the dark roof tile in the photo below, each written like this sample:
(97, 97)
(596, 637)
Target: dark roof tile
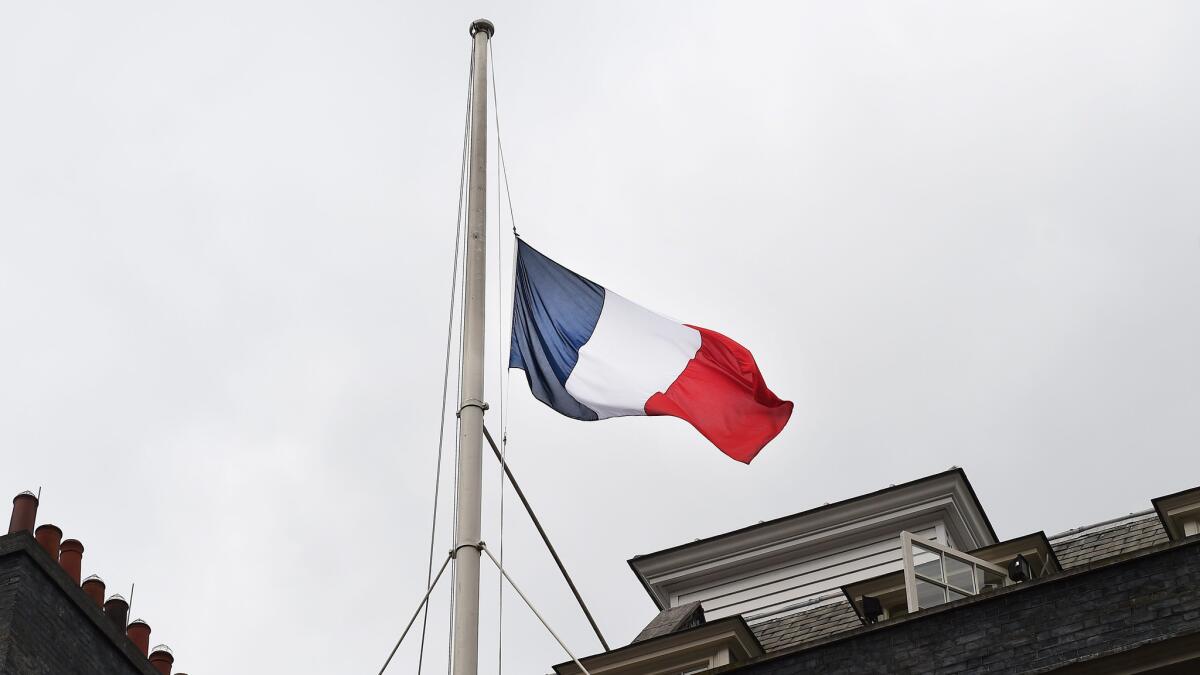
(806, 626)
(1090, 545)
(672, 620)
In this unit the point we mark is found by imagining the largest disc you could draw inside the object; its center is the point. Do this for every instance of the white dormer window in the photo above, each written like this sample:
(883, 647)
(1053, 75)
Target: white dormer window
(1180, 513)
(935, 574)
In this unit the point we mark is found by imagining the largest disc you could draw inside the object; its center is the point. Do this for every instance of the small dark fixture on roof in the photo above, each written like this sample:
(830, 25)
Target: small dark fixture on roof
(1018, 569)
(872, 608)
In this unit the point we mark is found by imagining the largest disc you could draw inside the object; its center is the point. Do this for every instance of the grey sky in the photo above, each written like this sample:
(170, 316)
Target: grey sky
(953, 233)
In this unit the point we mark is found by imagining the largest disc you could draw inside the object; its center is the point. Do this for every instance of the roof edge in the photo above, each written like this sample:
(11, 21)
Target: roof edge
(19, 543)
(735, 623)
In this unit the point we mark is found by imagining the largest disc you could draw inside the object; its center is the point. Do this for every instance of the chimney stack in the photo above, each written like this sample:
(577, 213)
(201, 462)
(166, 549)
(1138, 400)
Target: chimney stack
(139, 635)
(24, 513)
(68, 553)
(48, 537)
(93, 586)
(70, 556)
(162, 659)
(117, 611)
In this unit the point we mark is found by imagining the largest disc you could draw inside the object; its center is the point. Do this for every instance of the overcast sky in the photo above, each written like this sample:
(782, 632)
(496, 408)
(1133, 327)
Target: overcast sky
(953, 233)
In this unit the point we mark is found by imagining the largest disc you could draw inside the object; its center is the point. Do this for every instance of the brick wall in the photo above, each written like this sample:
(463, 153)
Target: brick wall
(1035, 627)
(48, 626)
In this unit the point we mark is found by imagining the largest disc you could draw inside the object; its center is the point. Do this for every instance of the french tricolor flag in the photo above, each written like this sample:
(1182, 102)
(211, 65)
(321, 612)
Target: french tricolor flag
(591, 354)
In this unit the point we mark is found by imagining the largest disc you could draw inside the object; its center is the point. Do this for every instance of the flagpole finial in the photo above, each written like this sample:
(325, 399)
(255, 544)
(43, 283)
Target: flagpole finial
(483, 25)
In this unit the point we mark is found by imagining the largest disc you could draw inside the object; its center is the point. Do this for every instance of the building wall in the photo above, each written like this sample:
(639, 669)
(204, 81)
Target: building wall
(45, 629)
(1053, 623)
(772, 591)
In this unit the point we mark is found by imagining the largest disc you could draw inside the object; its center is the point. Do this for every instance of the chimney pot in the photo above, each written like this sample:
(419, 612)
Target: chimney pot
(24, 513)
(93, 586)
(162, 659)
(117, 611)
(139, 634)
(70, 556)
(48, 537)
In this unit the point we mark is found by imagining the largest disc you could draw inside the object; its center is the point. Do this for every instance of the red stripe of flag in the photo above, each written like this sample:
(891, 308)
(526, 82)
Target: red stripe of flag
(721, 392)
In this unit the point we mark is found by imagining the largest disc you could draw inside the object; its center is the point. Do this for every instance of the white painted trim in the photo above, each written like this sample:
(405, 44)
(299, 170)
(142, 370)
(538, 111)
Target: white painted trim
(910, 570)
(675, 652)
(910, 588)
(834, 565)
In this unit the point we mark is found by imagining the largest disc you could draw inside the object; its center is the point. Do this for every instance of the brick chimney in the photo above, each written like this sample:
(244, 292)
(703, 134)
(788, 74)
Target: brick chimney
(24, 513)
(162, 659)
(48, 537)
(70, 556)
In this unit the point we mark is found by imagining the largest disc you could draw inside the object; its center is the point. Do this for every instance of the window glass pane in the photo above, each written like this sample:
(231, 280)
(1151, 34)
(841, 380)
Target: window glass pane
(960, 574)
(929, 595)
(927, 563)
(989, 580)
(955, 595)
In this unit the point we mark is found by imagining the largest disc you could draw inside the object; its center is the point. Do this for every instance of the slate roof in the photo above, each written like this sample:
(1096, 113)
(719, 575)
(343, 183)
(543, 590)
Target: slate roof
(671, 620)
(1073, 548)
(812, 624)
(1105, 540)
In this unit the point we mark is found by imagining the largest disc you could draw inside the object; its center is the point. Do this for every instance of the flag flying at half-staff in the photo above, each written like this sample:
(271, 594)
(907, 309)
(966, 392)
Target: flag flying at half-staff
(591, 354)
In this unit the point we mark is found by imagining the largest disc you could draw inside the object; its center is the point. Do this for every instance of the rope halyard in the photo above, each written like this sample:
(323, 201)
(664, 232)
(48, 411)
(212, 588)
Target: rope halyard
(501, 178)
(437, 479)
(499, 145)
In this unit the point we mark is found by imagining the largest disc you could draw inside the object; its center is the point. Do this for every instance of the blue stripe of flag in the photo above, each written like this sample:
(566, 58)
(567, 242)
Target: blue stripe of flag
(554, 314)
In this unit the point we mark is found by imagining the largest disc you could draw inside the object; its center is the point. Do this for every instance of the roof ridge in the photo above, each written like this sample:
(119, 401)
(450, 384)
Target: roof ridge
(1101, 526)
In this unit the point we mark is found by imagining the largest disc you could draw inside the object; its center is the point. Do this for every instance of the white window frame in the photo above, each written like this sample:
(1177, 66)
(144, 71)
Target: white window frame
(907, 541)
(1183, 519)
(1190, 526)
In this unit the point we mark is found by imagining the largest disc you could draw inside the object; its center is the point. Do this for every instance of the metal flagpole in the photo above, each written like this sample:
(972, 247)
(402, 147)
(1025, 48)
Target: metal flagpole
(471, 406)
